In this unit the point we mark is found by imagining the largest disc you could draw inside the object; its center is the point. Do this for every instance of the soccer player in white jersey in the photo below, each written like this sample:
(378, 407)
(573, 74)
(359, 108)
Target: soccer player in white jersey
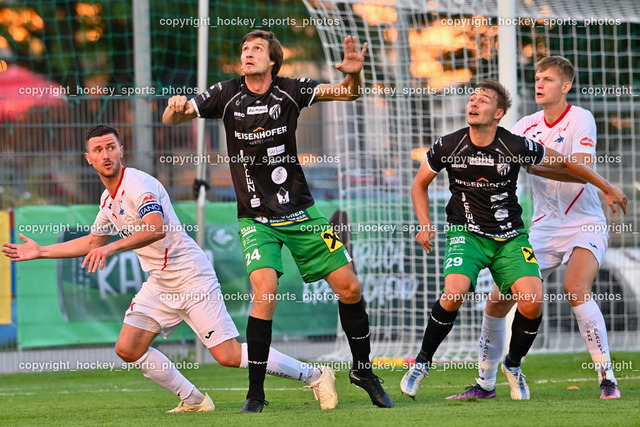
(565, 209)
(182, 284)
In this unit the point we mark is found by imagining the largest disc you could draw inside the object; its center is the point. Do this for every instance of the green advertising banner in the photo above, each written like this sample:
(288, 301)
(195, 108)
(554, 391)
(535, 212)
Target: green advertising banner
(59, 303)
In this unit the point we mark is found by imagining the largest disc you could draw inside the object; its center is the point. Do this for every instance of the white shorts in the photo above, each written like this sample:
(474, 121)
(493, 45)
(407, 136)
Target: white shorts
(554, 247)
(202, 307)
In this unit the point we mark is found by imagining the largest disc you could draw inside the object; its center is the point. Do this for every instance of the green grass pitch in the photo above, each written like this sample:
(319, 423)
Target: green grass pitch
(127, 398)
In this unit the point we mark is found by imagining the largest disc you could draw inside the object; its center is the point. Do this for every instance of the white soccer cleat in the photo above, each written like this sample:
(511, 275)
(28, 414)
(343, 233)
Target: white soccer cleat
(324, 388)
(517, 382)
(205, 406)
(412, 380)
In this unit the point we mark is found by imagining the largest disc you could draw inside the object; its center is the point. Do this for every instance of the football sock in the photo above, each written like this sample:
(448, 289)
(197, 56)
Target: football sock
(283, 366)
(438, 327)
(523, 333)
(594, 332)
(490, 347)
(355, 322)
(258, 342)
(159, 369)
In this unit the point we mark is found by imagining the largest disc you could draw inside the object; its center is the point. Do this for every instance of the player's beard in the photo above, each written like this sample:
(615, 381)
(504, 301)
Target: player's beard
(114, 171)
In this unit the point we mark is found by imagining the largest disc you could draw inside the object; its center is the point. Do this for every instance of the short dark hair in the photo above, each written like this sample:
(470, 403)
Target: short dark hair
(561, 63)
(100, 130)
(275, 48)
(504, 98)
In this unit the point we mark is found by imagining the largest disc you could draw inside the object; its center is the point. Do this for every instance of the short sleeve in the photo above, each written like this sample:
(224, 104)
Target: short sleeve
(302, 91)
(583, 138)
(529, 152)
(210, 103)
(436, 157)
(102, 226)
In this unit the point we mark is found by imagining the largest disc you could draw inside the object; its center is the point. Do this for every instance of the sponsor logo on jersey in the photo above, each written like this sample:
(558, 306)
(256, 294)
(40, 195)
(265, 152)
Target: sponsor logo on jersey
(149, 208)
(587, 142)
(255, 202)
(481, 161)
(502, 214)
(149, 198)
(283, 196)
(252, 111)
(279, 175)
(459, 165)
(260, 133)
(274, 111)
(528, 255)
(274, 151)
(456, 240)
(331, 239)
(501, 196)
(238, 114)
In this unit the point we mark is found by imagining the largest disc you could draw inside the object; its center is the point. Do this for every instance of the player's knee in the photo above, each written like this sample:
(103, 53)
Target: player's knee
(530, 309)
(229, 360)
(127, 354)
(451, 302)
(350, 293)
(498, 308)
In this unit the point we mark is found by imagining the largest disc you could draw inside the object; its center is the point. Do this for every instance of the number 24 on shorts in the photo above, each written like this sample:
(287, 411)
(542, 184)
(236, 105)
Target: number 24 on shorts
(453, 262)
(253, 256)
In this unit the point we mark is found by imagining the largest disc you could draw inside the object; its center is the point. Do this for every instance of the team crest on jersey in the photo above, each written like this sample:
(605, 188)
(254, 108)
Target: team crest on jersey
(274, 111)
(587, 142)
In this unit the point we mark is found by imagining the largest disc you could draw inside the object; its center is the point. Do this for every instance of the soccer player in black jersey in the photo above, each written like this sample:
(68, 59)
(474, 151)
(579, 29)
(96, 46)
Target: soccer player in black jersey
(485, 228)
(260, 112)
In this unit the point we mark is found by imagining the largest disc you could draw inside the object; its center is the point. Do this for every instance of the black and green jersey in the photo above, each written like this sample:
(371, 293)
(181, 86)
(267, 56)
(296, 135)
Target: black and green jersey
(483, 180)
(261, 142)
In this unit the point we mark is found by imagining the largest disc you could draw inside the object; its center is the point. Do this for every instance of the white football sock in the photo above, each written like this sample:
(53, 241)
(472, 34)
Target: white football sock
(490, 348)
(155, 366)
(594, 332)
(281, 365)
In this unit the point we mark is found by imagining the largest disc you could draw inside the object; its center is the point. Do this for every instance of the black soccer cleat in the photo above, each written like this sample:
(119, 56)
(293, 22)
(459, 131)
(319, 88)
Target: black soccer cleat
(373, 386)
(253, 406)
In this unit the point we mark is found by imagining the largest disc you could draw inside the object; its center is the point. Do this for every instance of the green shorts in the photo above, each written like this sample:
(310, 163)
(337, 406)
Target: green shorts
(508, 260)
(316, 249)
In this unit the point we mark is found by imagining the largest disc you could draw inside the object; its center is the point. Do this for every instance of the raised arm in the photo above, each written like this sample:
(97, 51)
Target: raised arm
(179, 110)
(71, 249)
(420, 199)
(350, 88)
(572, 166)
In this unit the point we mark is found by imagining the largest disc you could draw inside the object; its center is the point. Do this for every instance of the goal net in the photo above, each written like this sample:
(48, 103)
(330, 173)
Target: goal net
(423, 60)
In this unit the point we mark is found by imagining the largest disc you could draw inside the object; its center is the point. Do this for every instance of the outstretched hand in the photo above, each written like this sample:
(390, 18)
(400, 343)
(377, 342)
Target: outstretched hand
(352, 62)
(29, 250)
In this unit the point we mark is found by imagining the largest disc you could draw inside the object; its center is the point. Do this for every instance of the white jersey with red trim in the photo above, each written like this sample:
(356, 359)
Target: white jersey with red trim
(175, 261)
(563, 204)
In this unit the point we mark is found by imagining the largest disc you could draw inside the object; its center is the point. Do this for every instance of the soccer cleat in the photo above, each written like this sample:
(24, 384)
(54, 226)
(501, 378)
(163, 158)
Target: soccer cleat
(474, 392)
(411, 381)
(205, 406)
(253, 406)
(373, 386)
(324, 389)
(517, 383)
(609, 390)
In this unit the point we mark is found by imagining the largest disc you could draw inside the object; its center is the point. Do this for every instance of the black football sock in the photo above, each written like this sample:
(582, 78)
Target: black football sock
(258, 342)
(355, 322)
(523, 333)
(438, 327)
